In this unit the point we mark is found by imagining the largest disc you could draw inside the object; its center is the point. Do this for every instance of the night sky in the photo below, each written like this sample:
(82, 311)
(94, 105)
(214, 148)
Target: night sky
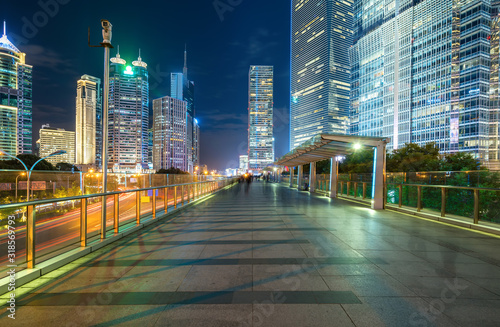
(221, 47)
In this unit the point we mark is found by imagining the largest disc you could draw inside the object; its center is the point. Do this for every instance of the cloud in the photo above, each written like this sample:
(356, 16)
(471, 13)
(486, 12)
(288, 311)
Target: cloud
(39, 56)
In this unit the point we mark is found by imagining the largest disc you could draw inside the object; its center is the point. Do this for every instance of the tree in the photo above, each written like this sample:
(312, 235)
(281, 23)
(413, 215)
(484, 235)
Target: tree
(64, 166)
(29, 160)
(359, 162)
(459, 161)
(172, 171)
(413, 157)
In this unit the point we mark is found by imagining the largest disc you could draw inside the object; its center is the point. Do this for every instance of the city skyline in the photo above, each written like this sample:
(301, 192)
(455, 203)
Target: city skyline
(219, 57)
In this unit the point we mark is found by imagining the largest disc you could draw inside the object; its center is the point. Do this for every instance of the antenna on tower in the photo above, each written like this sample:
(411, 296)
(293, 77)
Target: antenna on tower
(4, 28)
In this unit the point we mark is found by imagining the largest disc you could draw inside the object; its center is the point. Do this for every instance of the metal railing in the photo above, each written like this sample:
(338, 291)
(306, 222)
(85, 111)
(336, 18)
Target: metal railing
(479, 204)
(74, 221)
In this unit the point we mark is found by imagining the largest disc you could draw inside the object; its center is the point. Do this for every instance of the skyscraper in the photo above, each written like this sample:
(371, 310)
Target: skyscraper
(56, 139)
(321, 34)
(88, 121)
(182, 88)
(427, 72)
(260, 117)
(15, 99)
(128, 115)
(170, 146)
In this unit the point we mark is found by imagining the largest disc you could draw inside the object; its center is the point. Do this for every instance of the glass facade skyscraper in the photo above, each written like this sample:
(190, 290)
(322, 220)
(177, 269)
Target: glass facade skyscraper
(15, 99)
(88, 121)
(182, 88)
(260, 117)
(170, 146)
(321, 34)
(128, 115)
(427, 71)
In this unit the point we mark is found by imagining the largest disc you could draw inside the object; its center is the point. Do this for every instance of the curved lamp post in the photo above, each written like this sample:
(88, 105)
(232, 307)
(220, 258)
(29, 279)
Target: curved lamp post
(31, 169)
(3, 153)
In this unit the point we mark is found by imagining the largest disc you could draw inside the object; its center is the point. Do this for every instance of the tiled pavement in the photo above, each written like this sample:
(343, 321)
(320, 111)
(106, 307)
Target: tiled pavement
(271, 256)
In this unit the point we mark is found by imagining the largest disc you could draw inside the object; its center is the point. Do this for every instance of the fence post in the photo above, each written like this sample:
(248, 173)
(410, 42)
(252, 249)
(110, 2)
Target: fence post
(30, 237)
(138, 207)
(154, 204)
(182, 194)
(348, 188)
(364, 190)
(341, 187)
(419, 198)
(476, 206)
(175, 197)
(443, 201)
(355, 189)
(165, 198)
(83, 223)
(400, 190)
(117, 213)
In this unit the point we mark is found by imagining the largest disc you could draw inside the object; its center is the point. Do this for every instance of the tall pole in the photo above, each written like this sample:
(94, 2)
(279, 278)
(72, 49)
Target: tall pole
(106, 43)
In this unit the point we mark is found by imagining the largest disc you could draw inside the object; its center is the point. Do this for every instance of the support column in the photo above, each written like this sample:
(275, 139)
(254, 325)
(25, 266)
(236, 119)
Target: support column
(379, 175)
(312, 178)
(334, 172)
(291, 176)
(300, 177)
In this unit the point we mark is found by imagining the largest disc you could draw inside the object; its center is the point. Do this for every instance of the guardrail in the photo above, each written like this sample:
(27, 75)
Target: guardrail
(475, 203)
(77, 226)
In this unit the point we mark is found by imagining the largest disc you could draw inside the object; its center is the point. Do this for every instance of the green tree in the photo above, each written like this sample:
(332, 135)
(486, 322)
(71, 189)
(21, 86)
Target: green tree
(413, 158)
(172, 171)
(359, 162)
(459, 161)
(64, 166)
(29, 160)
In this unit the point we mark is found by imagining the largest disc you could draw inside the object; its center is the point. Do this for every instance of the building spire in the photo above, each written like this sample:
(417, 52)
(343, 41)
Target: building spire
(4, 28)
(185, 70)
(139, 55)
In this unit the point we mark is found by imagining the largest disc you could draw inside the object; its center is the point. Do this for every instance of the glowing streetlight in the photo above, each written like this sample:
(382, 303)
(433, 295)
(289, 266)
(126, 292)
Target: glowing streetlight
(357, 146)
(22, 174)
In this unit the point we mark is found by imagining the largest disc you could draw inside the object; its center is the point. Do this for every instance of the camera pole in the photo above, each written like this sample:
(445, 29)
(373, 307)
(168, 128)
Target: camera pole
(106, 44)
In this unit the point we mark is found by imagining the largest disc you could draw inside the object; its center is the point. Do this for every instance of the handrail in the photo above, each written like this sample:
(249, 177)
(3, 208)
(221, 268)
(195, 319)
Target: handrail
(90, 196)
(445, 186)
(193, 191)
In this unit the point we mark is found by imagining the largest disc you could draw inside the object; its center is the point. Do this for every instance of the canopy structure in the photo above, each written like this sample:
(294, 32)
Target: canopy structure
(330, 146)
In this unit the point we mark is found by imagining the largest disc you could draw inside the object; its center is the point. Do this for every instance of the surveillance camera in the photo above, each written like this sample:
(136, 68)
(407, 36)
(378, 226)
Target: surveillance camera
(106, 31)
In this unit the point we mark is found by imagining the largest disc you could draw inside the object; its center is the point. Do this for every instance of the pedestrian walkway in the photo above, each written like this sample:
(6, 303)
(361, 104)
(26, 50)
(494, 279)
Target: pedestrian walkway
(267, 255)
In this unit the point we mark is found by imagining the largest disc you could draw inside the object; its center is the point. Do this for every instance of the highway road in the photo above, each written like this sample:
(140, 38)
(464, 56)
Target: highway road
(57, 232)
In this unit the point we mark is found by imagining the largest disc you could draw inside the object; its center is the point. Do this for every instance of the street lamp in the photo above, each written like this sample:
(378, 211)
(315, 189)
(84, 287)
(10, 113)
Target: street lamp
(57, 153)
(22, 174)
(28, 171)
(3, 153)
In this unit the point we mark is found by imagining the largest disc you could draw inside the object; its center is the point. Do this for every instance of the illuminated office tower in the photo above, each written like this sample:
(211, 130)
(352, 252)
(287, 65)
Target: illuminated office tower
(260, 117)
(182, 88)
(56, 139)
(170, 148)
(128, 115)
(427, 71)
(320, 72)
(243, 164)
(88, 121)
(15, 99)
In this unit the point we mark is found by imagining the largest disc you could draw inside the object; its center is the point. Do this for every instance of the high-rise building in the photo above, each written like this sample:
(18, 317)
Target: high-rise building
(427, 71)
(88, 121)
(321, 34)
(15, 99)
(182, 88)
(170, 146)
(56, 139)
(260, 117)
(128, 115)
(243, 163)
